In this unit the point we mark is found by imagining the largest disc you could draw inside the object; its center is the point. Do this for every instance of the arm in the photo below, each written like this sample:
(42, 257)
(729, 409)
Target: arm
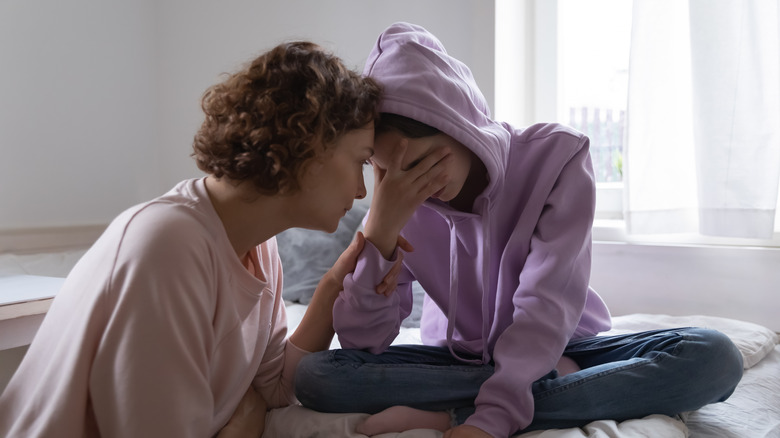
(275, 376)
(315, 331)
(249, 418)
(364, 320)
(150, 372)
(548, 301)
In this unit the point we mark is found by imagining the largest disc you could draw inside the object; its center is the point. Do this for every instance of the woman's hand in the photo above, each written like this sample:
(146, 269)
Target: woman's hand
(466, 431)
(249, 418)
(399, 192)
(390, 282)
(348, 260)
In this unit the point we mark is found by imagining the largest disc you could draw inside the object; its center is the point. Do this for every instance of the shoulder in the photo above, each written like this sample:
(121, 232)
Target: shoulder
(165, 232)
(548, 141)
(550, 134)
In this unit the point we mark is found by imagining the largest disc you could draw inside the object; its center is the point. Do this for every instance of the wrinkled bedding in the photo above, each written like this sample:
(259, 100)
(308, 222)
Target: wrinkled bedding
(752, 411)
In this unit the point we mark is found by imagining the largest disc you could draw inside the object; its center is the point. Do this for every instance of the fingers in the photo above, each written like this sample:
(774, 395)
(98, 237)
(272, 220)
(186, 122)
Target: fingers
(397, 158)
(379, 174)
(390, 282)
(433, 161)
(359, 242)
(404, 244)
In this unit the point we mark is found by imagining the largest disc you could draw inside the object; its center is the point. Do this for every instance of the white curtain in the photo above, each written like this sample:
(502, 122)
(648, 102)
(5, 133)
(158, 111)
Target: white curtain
(702, 151)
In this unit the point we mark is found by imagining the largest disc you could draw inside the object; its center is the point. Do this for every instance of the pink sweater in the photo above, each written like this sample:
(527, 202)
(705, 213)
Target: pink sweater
(157, 332)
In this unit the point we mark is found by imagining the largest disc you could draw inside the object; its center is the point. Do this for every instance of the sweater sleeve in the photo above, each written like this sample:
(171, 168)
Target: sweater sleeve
(364, 319)
(161, 290)
(275, 375)
(548, 302)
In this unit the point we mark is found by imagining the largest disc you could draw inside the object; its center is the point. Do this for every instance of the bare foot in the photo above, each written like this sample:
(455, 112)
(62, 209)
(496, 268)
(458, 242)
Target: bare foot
(402, 418)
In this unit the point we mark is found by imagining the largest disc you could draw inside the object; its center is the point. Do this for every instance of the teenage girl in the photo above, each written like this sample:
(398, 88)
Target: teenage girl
(503, 251)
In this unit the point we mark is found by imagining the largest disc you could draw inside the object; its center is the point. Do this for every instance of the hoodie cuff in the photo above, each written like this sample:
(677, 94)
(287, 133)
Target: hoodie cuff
(494, 421)
(372, 267)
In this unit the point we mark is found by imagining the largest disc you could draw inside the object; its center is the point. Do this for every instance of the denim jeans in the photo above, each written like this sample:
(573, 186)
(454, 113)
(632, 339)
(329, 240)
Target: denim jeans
(621, 377)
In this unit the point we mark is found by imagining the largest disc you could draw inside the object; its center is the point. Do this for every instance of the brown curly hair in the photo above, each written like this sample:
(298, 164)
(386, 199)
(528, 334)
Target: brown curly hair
(265, 122)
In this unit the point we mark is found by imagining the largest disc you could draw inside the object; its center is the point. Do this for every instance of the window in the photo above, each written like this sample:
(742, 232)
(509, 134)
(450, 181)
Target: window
(593, 47)
(571, 67)
(567, 61)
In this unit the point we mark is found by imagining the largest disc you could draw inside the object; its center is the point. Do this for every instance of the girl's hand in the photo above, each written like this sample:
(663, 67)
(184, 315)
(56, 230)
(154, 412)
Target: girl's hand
(249, 418)
(399, 192)
(466, 431)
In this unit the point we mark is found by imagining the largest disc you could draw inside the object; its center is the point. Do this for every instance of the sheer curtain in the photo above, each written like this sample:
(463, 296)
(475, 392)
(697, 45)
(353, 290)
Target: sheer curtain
(702, 150)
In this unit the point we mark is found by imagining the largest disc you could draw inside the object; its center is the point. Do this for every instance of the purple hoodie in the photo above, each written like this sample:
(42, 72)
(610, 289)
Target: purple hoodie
(508, 281)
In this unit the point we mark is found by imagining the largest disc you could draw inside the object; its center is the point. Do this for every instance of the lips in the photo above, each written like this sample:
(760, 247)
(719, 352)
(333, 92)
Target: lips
(437, 194)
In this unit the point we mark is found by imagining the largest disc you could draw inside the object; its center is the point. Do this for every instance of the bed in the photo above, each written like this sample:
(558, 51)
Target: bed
(753, 411)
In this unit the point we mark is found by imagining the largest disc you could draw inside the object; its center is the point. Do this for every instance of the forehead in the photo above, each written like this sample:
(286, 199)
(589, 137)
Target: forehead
(355, 140)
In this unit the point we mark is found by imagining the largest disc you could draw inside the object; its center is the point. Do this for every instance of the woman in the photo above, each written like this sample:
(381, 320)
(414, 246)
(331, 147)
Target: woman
(173, 323)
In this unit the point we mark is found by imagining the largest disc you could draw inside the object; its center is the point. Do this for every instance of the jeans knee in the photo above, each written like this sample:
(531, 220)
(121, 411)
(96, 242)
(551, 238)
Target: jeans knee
(723, 361)
(311, 381)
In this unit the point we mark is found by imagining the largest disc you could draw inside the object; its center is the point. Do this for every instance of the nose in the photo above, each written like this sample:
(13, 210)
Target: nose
(361, 193)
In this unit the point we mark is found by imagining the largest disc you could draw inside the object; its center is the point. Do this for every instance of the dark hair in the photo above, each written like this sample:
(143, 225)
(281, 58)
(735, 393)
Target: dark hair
(407, 127)
(265, 122)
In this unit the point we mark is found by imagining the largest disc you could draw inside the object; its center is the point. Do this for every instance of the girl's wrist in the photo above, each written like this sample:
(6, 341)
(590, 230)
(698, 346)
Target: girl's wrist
(385, 246)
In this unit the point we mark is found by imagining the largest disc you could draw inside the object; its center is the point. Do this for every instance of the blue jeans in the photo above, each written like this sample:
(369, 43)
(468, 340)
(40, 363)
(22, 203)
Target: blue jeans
(621, 377)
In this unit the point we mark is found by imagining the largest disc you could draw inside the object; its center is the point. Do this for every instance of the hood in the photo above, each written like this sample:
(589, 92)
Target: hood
(421, 81)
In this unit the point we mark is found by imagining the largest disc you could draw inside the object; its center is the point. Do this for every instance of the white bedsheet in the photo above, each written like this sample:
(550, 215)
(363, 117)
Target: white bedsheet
(753, 411)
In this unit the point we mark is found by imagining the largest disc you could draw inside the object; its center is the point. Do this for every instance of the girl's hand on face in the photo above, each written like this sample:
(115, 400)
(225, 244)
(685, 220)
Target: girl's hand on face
(399, 192)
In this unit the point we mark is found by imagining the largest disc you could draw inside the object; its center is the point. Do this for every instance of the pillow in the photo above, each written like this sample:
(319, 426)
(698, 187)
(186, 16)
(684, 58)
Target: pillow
(308, 254)
(753, 341)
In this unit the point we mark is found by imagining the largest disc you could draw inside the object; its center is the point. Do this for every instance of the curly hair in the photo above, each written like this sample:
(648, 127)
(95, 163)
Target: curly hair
(266, 122)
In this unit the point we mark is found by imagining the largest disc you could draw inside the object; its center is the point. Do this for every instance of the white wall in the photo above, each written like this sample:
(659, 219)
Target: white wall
(99, 101)
(77, 110)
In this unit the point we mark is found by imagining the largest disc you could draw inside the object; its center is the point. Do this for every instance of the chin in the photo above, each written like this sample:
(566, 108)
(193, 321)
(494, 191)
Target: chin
(331, 228)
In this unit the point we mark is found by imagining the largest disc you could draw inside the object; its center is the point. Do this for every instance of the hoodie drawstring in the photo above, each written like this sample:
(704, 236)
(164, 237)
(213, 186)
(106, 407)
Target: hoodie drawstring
(485, 284)
(453, 302)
